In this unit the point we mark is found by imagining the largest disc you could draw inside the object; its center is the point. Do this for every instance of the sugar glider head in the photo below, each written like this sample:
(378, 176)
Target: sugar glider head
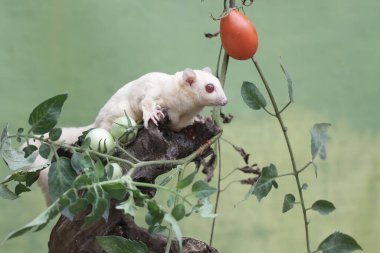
(205, 86)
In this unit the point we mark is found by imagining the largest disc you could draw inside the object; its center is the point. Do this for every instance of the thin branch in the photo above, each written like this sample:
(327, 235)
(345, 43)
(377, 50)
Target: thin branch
(229, 184)
(217, 193)
(169, 242)
(305, 167)
(286, 174)
(229, 174)
(126, 152)
(271, 114)
(286, 106)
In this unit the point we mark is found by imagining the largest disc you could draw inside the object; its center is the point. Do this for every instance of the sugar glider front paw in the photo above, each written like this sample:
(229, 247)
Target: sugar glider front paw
(155, 115)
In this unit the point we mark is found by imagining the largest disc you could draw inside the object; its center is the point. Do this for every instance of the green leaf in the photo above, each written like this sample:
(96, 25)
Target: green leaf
(318, 140)
(81, 180)
(39, 222)
(55, 133)
(20, 188)
(252, 96)
(44, 150)
(288, 204)
(6, 193)
(264, 184)
(45, 116)
(201, 189)
(155, 214)
(324, 207)
(99, 207)
(176, 229)
(115, 190)
(15, 158)
(178, 212)
(186, 181)
(79, 206)
(85, 142)
(290, 83)
(171, 175)
(118, 244)
(99, 169)
(339, 243)
(20, 130)
(28, 150)
(80, 161)
(139, 198)
(128, 207)
(171, 200)
(60, 178)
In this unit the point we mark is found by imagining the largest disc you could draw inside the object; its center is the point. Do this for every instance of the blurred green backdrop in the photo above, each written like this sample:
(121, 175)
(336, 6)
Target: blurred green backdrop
(90, 48)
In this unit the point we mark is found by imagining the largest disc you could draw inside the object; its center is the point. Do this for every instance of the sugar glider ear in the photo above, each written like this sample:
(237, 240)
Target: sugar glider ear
(189, 76)
(208, 70)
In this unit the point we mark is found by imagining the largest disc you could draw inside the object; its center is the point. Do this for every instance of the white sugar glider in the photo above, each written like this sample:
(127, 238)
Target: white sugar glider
(183, 95)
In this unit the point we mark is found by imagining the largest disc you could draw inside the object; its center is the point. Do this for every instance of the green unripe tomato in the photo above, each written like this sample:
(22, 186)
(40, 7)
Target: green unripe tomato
(114, 171)
(124, 129)
(101, 140)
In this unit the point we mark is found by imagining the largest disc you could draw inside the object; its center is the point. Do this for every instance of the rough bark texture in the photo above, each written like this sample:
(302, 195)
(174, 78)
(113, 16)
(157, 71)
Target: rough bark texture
(151, 144)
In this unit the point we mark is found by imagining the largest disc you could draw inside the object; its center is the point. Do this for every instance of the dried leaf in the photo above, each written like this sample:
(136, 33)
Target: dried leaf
(226, 118)
(242, 152)
(251, 169)
(209, 167)
(249, 181)
(211, 35)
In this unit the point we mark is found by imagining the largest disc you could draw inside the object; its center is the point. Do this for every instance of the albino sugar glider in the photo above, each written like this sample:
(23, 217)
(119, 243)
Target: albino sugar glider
(183, 95)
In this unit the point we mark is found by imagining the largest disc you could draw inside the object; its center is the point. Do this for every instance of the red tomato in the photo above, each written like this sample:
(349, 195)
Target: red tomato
(238, 35)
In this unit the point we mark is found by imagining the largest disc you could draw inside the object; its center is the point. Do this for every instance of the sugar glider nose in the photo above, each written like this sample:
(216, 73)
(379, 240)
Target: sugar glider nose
(223, 101)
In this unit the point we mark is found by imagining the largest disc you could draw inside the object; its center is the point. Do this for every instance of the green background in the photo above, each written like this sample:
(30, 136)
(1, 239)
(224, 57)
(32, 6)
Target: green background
(90, 48)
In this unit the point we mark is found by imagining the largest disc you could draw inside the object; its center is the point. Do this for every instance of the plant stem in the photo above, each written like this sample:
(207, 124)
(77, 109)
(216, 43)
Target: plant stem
(169, 243)
(229, 184)
(289, 146)
(286, 174)
(216, 117)
(305, 167)
(229, 174)
(217, 193)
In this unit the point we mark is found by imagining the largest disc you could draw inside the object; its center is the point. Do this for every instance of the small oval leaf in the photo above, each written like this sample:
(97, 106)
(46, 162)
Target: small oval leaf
(186, 181)
(324, 207)
(201, 189)
(178, 212)
(44, 150)
(55, 133)
(252, 96)
(339, 243)
(289, 201)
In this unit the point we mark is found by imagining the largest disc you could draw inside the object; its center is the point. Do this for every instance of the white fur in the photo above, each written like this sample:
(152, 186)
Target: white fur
(182, 94)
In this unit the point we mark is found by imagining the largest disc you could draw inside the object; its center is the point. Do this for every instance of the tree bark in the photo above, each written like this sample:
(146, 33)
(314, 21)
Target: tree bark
(151, 144)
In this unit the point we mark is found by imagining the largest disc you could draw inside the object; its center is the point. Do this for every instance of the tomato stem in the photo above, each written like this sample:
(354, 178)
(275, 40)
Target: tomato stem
(217, 119)
(290, 150)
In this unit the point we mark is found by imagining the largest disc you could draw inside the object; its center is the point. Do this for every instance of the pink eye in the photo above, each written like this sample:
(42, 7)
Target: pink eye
(210, 88)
